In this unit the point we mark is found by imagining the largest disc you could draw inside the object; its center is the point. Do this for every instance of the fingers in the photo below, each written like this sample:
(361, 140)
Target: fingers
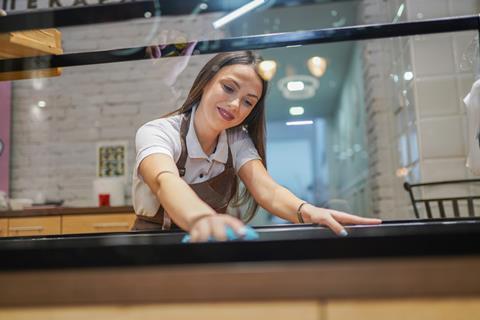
(189, 48)
(237, 225)
(201, 231)
(215, 226)
(346, 218)
(335, 226)
(218, 230)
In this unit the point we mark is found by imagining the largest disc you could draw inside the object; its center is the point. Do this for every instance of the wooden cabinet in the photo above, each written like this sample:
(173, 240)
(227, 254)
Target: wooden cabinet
(67, 223)
(3, 227)
(33, 226)
(93, 223)
(398, 309)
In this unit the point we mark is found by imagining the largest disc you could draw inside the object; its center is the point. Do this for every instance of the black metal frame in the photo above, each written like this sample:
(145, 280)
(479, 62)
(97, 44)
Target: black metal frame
(275, 40)
(440, 201)
(74, 16)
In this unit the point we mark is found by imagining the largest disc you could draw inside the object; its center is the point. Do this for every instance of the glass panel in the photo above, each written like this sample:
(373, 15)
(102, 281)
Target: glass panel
(379, 112)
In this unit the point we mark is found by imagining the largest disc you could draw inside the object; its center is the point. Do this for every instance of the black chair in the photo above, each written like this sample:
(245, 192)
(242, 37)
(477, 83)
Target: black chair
(440, 202)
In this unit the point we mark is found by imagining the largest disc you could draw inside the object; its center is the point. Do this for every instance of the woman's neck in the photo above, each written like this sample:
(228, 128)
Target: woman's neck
(207, 136)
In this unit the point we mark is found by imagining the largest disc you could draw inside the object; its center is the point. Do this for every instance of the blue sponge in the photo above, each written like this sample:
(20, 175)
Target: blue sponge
(250, 234)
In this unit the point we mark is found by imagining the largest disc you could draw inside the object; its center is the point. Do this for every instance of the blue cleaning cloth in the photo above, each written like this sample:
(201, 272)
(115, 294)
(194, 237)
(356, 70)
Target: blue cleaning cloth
(250, 234)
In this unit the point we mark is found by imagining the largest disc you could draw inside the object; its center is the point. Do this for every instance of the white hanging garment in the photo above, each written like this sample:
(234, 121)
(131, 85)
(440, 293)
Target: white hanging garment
(472, 103)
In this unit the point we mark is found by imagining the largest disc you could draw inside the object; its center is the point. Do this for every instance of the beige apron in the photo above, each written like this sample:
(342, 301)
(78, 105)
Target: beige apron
(215, 192)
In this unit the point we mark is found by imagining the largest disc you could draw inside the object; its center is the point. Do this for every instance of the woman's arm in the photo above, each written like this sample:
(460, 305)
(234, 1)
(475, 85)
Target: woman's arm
(281, 202)
(177, 198)
(183, 205)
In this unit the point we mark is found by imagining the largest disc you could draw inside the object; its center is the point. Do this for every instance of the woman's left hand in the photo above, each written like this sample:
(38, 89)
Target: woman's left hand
(333, 219)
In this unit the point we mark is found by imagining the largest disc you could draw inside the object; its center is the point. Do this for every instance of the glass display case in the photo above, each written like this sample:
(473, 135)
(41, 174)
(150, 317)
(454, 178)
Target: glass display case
(371, 109)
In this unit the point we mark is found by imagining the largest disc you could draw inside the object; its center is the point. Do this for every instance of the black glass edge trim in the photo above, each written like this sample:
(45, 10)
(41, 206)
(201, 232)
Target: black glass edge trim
(77, 16)
(286, 39)
(61, 17)
(451, 245)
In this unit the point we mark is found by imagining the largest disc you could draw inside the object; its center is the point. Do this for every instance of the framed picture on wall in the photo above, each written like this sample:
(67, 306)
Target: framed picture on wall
(112, 159)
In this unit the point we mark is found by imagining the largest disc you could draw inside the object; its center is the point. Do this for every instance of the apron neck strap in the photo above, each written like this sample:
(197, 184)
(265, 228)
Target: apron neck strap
(183, 135)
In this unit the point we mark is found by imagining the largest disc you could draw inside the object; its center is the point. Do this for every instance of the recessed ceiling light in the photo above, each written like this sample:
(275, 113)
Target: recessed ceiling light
(296, 111)
(408, 75)
(295, 85)
(298, 87)
(42, 104)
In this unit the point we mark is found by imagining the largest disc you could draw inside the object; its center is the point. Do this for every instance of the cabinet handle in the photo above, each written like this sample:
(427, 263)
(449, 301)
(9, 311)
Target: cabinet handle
(33, 228)
(110, 225)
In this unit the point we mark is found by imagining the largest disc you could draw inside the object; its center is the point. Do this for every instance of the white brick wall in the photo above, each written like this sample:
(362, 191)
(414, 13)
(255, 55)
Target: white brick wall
(426, 113)
(54, 148)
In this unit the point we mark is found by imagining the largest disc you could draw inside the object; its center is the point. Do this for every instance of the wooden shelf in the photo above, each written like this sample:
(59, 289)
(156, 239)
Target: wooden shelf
(30, 43)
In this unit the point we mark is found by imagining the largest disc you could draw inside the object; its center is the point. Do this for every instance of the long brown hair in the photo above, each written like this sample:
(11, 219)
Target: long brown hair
(254, 123)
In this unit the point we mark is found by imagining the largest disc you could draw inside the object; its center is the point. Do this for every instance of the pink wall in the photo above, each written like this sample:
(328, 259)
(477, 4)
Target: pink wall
(5, 117)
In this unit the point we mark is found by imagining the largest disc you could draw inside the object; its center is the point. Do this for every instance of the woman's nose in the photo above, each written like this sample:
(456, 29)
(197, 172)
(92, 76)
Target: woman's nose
(235, 103)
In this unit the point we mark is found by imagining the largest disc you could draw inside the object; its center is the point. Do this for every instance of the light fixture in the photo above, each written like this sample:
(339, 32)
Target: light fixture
(402, 172)
(317, 66)
(295, 86)
(296, 111)
(298, 87)
(408, 75)
(399, 13)
(299, 123)
(267, 69)
(237, 13)
(42, 104)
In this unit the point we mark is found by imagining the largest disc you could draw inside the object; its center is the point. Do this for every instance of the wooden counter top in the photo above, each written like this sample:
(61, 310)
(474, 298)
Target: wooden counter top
(42, 211)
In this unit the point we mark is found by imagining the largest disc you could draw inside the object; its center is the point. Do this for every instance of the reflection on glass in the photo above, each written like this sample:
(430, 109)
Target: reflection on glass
(378, 113)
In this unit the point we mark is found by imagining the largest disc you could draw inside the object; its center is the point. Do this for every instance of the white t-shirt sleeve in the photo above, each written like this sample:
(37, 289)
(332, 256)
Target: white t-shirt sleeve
(242, 148)
(156, 136)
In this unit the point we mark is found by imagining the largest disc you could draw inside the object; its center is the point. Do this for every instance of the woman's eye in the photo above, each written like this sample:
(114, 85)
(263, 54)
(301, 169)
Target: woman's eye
(248, 103)
(227, 88)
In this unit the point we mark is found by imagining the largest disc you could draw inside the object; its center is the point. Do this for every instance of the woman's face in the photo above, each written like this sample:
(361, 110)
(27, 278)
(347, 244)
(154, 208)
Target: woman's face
(230, 96)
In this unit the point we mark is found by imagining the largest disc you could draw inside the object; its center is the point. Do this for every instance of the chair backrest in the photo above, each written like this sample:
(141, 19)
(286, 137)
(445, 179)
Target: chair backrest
(441, 202)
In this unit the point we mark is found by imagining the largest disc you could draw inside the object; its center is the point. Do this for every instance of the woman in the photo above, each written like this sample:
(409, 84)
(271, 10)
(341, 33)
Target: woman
(192, 160)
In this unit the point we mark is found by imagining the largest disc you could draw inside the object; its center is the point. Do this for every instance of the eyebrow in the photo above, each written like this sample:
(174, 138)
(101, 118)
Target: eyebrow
(238, 86)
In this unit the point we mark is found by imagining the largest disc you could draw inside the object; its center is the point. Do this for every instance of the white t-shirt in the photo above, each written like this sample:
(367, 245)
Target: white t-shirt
(163, 136)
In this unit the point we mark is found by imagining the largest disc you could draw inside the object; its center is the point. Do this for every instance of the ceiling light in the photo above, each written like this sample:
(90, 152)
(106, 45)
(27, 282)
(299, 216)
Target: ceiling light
(295, 85)
(296, 111)
(401, 172)
(299, 123)
(317, 66)
(267, 69)
(298, 87)
(399, 13)
(237, 13)
(42, 104)
(408, 75)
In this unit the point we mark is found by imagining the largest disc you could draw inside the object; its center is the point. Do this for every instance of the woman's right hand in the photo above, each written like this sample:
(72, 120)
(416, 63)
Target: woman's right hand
(215, 226)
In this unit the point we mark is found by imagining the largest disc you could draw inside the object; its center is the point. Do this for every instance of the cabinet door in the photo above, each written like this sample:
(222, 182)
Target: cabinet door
(93, 223)
(32, 226)
(3, 227)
